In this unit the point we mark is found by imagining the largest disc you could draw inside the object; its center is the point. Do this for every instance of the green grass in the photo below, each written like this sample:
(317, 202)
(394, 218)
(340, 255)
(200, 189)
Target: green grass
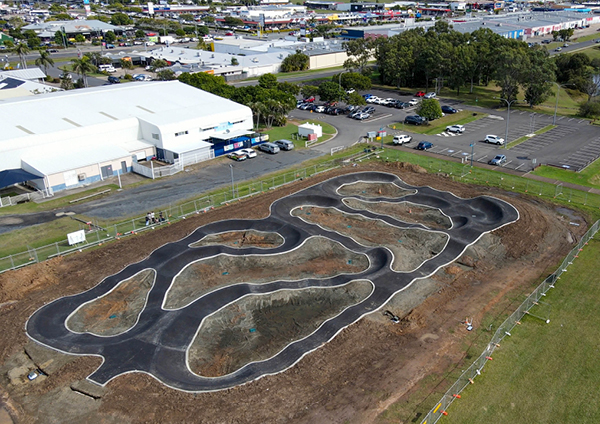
(439, 125)
(586, 38)
(290, 130)
(589, 177)
(593, 52)
(525, 138)
(56, 203)
(545, 373)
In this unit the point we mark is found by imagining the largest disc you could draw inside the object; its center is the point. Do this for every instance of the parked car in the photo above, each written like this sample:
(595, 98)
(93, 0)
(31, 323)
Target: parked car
(285, 144)
(546, 41)
(110, 46)
(415, 120)
(566, 45)
(558, 49)
(306, 106)
(401, 105)
(455, 128)
(229, 34)
(494, 139)
(401, 139)
(366, 96)
(237, 156)
(113, 80)
(430, 96)
(369, 109)
(52, 50)
(320, 109)
(362, 116)
(309, 99)
(355, 113)
(250, 153)
(372, 99)
(269, 148)
(419, 94)
(350, 91)
(424, 145)
(448, 109)
(498, 160)
(413, 102)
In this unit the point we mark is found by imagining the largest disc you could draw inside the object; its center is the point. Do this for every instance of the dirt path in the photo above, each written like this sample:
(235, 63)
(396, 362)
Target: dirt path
(354, 378)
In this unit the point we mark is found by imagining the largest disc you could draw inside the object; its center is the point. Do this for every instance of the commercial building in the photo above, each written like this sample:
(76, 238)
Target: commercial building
(71, 138)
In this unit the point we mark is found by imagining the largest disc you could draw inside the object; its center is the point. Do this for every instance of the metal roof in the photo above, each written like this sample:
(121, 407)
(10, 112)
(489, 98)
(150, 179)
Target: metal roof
(26, 74)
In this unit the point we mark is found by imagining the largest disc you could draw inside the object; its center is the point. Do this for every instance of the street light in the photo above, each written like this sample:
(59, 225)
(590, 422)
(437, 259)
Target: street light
(508, 102)
(556, 105)
(232, 183)
(472, 152)
(340, 83)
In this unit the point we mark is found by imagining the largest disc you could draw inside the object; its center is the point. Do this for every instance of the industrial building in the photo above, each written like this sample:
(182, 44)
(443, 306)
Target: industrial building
(71, 138)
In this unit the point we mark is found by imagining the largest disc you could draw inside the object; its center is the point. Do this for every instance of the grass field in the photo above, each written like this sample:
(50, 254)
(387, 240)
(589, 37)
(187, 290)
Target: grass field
(277, 133)
(589, 177)
(545, 373)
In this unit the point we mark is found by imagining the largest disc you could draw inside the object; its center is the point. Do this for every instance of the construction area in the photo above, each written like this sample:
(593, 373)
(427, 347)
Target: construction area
(328, 300)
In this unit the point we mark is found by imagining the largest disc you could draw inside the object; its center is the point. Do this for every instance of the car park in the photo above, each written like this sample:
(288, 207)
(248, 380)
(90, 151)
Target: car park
(419, 94)
(237, 156)
(415, 120)
(401, 139)
(285, 144)
(250, 153)
(498, 160)
(448, 109)
(455, 128)
(493, 139)
(413, 102)
(430, 96)
(424, 145)
(269, 148)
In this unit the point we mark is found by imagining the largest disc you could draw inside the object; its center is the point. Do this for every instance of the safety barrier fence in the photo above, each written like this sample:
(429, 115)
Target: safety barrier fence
(106, 232)
(25, 197)
(468, 377)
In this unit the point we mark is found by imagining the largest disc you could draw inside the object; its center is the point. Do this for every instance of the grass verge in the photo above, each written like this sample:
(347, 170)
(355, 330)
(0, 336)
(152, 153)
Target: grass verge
(439, 125)
(545, 372)
(525, 138)
(589, 177)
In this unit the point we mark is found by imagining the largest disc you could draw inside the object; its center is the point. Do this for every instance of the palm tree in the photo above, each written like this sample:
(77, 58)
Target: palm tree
(22, 50)
(83, 67)
(44, 60)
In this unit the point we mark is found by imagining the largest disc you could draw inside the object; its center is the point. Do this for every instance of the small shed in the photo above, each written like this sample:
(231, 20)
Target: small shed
(305, 130)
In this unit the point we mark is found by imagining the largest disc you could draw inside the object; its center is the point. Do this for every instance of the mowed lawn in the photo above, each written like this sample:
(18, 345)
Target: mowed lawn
(545, 373)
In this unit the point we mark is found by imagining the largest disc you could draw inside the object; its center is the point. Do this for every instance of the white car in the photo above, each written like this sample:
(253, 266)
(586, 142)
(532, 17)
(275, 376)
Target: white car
(250, 153)
(429, 96)
(455, 128)
(401, 139)
(373, 99)
(320, 109)
(350, 91)
(494, 139)
(413, 102)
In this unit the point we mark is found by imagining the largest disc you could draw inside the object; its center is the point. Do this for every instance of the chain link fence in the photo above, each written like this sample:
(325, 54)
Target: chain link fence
(534, 299)
(99, 233)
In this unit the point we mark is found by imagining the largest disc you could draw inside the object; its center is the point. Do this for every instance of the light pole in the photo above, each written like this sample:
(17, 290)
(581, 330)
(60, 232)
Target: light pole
(340, 84)
(472, 152)
(232, 183)
(508, 103)
(556, 105)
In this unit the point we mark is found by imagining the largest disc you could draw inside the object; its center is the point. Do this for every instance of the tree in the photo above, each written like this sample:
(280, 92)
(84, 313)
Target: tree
(590, 109)
(110, 37)
(295, 62)
(44, 60)
(331, 91)
(33, 42)
(234, 61)
(355, 99)
(59, 38)
(127, 65)
(202, 31)
(22, 50)
(83, 67)
(57, 8)
(66, 83)
(233, 22)
(267, 81)
(510, 65)
(208, 19)
(166, 75)
(94, 57)
(353, 80)
(140, 33)
(120, 19)
(430, 109)
(80, 38)
(211, 83)
(60, 17)
(309, 91)
(288, 87)
(359, 53)
(180, 32)
(537, 76)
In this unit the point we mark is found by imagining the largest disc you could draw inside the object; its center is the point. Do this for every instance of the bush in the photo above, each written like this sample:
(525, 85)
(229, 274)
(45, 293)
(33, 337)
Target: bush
(128, 77)
(590, 109)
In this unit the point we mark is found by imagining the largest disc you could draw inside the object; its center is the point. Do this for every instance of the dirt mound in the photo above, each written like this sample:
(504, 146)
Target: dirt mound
(373, 190)
(241, 239)
(409, 167)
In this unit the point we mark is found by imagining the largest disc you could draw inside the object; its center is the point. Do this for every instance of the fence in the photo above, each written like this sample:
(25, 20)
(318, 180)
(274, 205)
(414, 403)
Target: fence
(170, 214)
(504, 330)
(26, 197)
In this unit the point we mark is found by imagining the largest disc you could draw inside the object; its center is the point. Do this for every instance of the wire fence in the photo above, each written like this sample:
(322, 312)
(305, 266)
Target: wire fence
(98, 233)
(534, 299)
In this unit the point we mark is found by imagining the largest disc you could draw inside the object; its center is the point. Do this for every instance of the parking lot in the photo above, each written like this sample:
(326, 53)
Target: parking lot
(573, 144)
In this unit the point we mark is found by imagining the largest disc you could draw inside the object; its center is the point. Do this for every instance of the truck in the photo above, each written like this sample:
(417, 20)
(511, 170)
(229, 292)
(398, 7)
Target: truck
(166, 39)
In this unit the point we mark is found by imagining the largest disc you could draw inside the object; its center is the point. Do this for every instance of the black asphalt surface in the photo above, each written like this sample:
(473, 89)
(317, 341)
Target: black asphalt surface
(158, 343)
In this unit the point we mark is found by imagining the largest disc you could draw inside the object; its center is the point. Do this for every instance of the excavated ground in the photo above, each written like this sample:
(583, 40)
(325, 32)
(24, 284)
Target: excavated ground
(242, 239)
(356, 378)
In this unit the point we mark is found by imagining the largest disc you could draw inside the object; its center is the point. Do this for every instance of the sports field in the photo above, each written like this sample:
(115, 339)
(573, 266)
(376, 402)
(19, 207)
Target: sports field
(545, 373)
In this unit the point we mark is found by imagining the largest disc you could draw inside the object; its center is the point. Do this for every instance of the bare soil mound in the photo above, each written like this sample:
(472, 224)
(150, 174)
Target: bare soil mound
(257, 327)
(411, 246)
(241, 239)
(371, 190)
(117, 311)
(404, 211)
(318, 257)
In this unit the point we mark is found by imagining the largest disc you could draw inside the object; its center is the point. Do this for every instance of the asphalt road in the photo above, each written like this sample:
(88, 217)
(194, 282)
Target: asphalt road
(159, 340)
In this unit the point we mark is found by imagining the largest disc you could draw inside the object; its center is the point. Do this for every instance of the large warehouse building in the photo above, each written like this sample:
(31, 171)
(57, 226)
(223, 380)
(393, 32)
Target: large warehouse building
(76, 137)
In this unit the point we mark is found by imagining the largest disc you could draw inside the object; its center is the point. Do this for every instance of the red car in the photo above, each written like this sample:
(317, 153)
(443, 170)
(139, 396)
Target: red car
(309, 99)
(229, 33)
(420, 94)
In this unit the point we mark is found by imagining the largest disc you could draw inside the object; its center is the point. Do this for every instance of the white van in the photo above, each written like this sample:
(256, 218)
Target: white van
(269, 148)
(107, 68)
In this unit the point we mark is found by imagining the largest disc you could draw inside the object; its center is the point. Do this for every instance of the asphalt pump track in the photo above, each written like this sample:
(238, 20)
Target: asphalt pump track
(158, 343)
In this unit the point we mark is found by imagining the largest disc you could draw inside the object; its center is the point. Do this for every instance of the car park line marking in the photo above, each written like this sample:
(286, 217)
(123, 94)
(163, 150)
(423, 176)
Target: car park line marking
(506, 164)
(377, 119)
(456, 153)
(582, 120)
(562, 117)
(482, 159)
(570, 119)
(518, 166)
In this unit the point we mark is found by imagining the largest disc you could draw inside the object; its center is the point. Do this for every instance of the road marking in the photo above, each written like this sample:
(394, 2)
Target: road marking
(506, 164)
(519, 166)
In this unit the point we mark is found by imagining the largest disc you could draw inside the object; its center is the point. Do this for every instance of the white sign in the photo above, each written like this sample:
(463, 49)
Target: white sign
(76, 237)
